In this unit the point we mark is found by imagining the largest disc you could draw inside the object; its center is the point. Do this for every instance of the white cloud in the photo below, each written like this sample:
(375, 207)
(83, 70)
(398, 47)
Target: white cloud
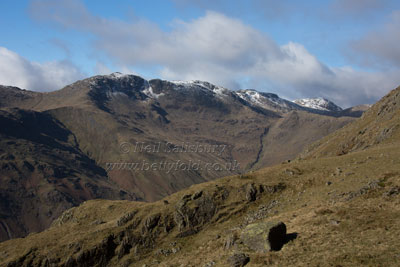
(380, 46)
(18, 71)
(222, 50)
(271, 9)
(300, 74)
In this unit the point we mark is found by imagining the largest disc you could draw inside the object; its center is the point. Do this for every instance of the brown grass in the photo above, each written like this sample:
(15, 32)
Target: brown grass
(332, 231)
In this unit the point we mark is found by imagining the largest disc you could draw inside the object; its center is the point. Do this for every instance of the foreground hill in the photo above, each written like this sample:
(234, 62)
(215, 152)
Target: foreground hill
(119, 125)
(380, 124)
(339, 210)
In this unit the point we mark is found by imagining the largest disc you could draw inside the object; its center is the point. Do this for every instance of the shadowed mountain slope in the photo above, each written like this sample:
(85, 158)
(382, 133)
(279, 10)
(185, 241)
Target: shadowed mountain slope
(43, 172)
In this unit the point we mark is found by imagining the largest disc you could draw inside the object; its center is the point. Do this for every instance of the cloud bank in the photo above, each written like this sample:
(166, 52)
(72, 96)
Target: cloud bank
(381, 46)
(18, 71)
(213, 47)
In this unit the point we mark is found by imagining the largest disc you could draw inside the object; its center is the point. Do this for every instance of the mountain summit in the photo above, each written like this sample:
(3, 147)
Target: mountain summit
(318, 103)
(105, 86)
(265, 100)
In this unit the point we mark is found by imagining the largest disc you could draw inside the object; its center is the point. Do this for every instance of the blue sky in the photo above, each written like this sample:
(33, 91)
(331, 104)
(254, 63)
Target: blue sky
(344, 50)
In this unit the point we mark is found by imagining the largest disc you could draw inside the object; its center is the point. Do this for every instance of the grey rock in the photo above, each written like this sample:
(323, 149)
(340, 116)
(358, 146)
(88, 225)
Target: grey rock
(152, 221)
(190, 218)
(262, 212)
(238, 260)
(363, 190)
(197, 195)
(175, 250)
(392, 191)
(264, 236)
(126, 218)
(230, 241)
(251, 192)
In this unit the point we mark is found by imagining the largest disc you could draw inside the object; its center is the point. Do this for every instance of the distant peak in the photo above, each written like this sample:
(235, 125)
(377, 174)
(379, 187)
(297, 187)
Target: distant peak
(318, 103)
(117, 77)
(266, 100)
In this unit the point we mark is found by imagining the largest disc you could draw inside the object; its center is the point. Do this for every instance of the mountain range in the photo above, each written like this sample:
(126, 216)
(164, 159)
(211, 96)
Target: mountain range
(123, 137)
(336, 204)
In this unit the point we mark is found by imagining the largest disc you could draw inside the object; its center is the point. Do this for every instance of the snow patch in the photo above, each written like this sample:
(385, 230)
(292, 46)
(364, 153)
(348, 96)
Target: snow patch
(251, 95)
(115, 93)
(150, 93)
(218, 90)
(318, 103)
(265, 100)
(117, 75)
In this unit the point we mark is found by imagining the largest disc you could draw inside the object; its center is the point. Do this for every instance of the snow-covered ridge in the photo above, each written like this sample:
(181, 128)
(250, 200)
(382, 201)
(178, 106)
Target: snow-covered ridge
(253, 97)
(318, 103)
(218, 90)
(117, 75)
(266, 100)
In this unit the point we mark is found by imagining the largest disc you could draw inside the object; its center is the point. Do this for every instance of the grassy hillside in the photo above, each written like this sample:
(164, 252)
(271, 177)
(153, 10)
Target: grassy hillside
(339, 210)
(343, 209)
(380, 124)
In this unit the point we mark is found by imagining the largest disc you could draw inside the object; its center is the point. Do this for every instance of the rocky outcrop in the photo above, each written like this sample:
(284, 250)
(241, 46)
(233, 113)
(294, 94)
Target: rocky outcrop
(265, 236)
(251, 192)
(137, 233)
(152, 221)
(192, 212)
(127, 217)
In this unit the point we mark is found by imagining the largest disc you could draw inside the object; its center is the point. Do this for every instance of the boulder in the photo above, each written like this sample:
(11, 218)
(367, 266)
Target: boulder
(264, 236)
